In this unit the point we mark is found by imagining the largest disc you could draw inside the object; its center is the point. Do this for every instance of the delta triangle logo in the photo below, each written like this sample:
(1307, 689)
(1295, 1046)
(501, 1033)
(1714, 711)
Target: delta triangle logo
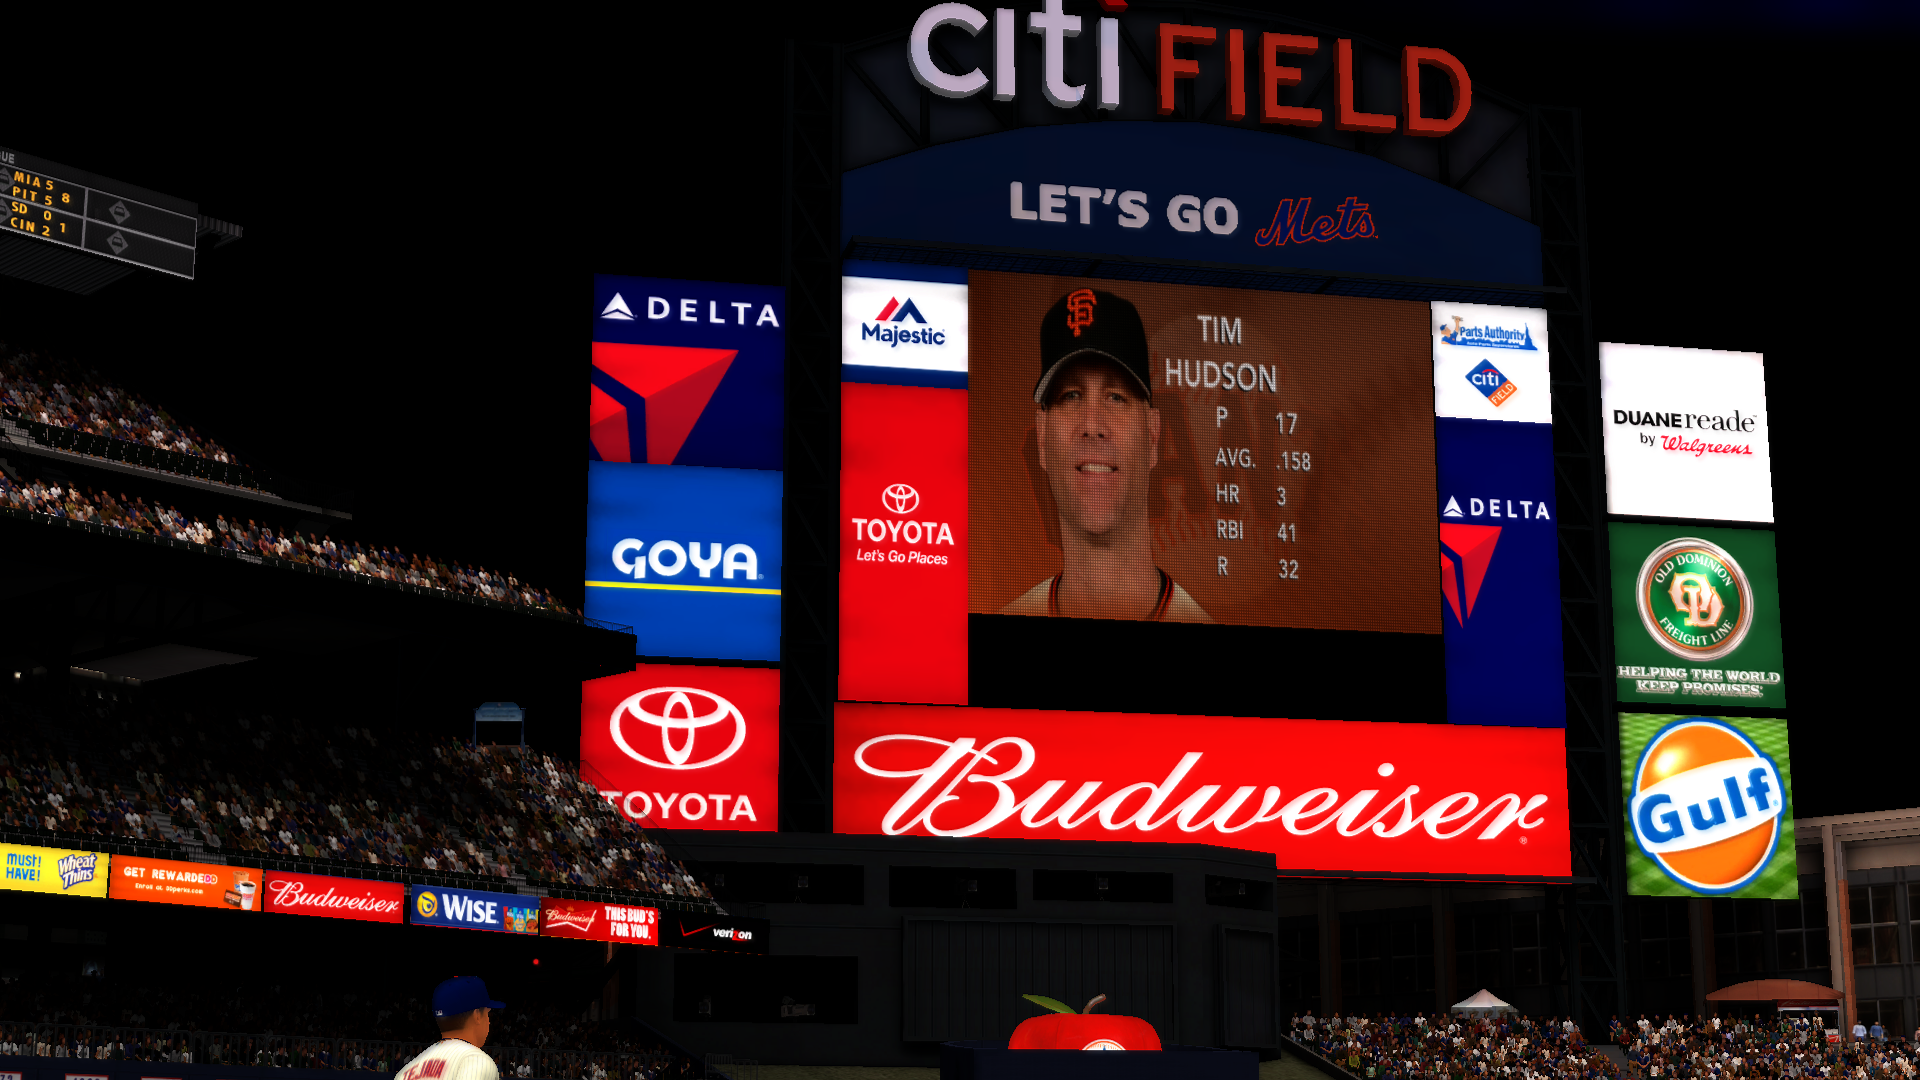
(1465, 553)
(646, 399)
(617, 309)
(1453, 508)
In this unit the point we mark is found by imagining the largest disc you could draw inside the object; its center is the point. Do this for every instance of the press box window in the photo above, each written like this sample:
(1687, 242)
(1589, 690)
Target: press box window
(716, 988)
(782, 883)
(1876, 927)
(1112, 886)
(1801, 927)
(951, 887)
(1252, 894)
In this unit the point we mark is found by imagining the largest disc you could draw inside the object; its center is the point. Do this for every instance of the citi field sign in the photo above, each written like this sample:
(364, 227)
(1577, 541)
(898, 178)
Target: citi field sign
(1708, 805)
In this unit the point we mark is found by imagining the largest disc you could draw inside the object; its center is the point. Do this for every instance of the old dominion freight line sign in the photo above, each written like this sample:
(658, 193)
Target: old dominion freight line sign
(1696, 615)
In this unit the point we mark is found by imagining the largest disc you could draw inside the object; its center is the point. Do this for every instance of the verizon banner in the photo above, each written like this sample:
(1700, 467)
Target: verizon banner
(1338, 797)
(683, 747)
(338, 898)
(593, 921)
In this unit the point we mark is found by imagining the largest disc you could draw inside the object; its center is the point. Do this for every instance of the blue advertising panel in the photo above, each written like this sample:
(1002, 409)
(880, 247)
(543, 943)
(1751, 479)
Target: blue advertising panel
(1499, 573)
(689, 557)
(687, 373)
(468, 909)
(1192, 192)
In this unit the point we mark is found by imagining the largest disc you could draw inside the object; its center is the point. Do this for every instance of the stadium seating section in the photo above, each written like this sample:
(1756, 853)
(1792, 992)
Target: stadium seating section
(47, 391)
(298, 795)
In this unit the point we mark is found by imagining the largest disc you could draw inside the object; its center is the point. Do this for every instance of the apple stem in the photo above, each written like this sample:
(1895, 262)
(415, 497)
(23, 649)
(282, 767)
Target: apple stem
(1098, 998)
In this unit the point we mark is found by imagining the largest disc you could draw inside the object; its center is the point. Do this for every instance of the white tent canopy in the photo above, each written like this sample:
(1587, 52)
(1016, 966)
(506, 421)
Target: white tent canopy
(1483, 1004)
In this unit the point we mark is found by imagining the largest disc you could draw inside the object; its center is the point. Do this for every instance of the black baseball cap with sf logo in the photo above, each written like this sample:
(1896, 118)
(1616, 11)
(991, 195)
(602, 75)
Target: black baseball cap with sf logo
(1092, 323)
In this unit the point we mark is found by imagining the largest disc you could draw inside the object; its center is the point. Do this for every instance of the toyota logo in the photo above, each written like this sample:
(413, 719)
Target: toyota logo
(679, 709)
(900, 499)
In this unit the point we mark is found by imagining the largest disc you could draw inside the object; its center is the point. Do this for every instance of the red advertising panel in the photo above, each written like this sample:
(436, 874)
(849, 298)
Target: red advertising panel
(590, 920)
(194, 884)
(338, 898)
(678, 747)
(1331, 796)
(903, 546)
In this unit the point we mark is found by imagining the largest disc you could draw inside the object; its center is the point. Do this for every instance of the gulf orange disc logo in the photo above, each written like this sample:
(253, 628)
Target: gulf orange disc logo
(1706, 805)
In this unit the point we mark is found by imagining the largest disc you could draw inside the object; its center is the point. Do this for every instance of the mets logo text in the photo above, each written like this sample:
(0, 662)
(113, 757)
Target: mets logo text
(1706, 805)
(1694, 599)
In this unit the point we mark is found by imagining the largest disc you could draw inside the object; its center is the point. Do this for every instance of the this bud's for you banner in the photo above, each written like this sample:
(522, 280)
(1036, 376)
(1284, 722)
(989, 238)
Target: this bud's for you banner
(1709, 803)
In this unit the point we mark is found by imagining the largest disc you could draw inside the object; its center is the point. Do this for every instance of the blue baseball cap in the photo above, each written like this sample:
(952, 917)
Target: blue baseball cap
(462, 993)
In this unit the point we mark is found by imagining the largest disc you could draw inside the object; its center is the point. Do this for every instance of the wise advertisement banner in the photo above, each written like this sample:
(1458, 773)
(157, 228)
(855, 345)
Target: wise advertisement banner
(469, 909)
(165, 881)
(1696, 615)
(685, 747)
(1686, 433)
(688, 557)
(1490, 363)
(589, 920)
(54, 870)
(1709, 806)
(336, 898)
(1347, 797)
(687, 373)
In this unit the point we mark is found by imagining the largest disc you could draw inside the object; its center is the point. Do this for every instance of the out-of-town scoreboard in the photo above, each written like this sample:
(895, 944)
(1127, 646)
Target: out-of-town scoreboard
(63, 205)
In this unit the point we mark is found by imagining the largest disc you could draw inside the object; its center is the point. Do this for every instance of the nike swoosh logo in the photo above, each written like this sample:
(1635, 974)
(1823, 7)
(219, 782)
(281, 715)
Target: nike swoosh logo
(684, 932)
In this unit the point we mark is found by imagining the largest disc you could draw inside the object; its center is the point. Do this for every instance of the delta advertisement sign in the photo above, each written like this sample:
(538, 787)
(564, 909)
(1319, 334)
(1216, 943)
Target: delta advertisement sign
(335, 898)
(589, 920)
(1709, 804)
(676, 747)
(1352, 797)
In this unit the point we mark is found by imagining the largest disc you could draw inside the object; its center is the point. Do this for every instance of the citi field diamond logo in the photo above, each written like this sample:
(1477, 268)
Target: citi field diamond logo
(1487, 379)
(1694, 599)
(1706, 805)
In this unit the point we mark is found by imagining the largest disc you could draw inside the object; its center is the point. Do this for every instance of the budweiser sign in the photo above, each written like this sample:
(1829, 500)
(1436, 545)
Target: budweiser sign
(622, 923)
(339, 898)
(1321, 795)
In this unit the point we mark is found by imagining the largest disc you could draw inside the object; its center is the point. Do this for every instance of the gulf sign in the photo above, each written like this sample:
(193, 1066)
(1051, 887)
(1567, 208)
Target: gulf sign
(589, 920)
(335, 898)
(1709, 809)
(469, 909)
(1373, 799)
(676, 747)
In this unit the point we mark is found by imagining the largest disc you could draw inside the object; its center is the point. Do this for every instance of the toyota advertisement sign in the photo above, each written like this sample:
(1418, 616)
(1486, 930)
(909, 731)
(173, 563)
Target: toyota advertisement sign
(685, 747)
(1325, 796)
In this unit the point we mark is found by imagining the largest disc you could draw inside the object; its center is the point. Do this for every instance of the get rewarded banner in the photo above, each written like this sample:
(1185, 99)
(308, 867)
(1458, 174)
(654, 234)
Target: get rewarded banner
(593, 921)
(1709, 806)
(194, 884)
(1696, 615)
(338, 898)
(54, 870)
(1321, 795)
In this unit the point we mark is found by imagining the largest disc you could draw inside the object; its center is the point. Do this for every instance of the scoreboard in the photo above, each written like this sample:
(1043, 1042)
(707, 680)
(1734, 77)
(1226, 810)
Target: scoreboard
(66, 206)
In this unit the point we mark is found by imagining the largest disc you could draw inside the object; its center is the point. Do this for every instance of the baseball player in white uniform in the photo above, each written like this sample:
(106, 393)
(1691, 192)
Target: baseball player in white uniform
(460, 1007)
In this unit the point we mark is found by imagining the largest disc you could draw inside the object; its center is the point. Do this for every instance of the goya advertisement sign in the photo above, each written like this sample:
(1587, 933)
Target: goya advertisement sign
(470, 909)
(54, 870)
(1696, 615)
(1709, 803)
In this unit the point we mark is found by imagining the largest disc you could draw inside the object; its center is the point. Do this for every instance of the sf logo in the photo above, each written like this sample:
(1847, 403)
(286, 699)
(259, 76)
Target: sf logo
(900, 499)
(1694, 594)
(1080, 309)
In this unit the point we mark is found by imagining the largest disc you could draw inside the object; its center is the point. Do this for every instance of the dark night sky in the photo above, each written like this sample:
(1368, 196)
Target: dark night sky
(423, 204)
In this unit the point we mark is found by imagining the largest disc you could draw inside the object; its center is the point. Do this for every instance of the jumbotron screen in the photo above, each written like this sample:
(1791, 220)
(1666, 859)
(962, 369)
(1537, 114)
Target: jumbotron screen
(1064, 493)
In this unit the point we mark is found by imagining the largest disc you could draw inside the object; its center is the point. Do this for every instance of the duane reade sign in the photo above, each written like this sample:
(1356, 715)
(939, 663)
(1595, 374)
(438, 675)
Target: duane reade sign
(1687, 433)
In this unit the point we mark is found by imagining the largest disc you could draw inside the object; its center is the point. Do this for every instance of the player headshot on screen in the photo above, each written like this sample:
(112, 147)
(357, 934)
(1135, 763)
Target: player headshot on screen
(1098, 437)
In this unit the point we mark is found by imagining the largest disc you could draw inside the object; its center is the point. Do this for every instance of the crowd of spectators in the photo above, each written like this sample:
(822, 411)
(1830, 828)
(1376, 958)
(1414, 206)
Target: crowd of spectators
(1515, 1047)
(133, 514)
(244, 783)
(66, 395)
(302, 1026)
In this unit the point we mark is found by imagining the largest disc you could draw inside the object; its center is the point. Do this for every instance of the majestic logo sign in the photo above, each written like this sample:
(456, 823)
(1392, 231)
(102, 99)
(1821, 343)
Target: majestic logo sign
(900, 499)
(1487, 379)
(1694, 599)
(885, 329)
(671, 709)
(1080, 305)
(1456, 332)
(1314, 793)
(1706, 805)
